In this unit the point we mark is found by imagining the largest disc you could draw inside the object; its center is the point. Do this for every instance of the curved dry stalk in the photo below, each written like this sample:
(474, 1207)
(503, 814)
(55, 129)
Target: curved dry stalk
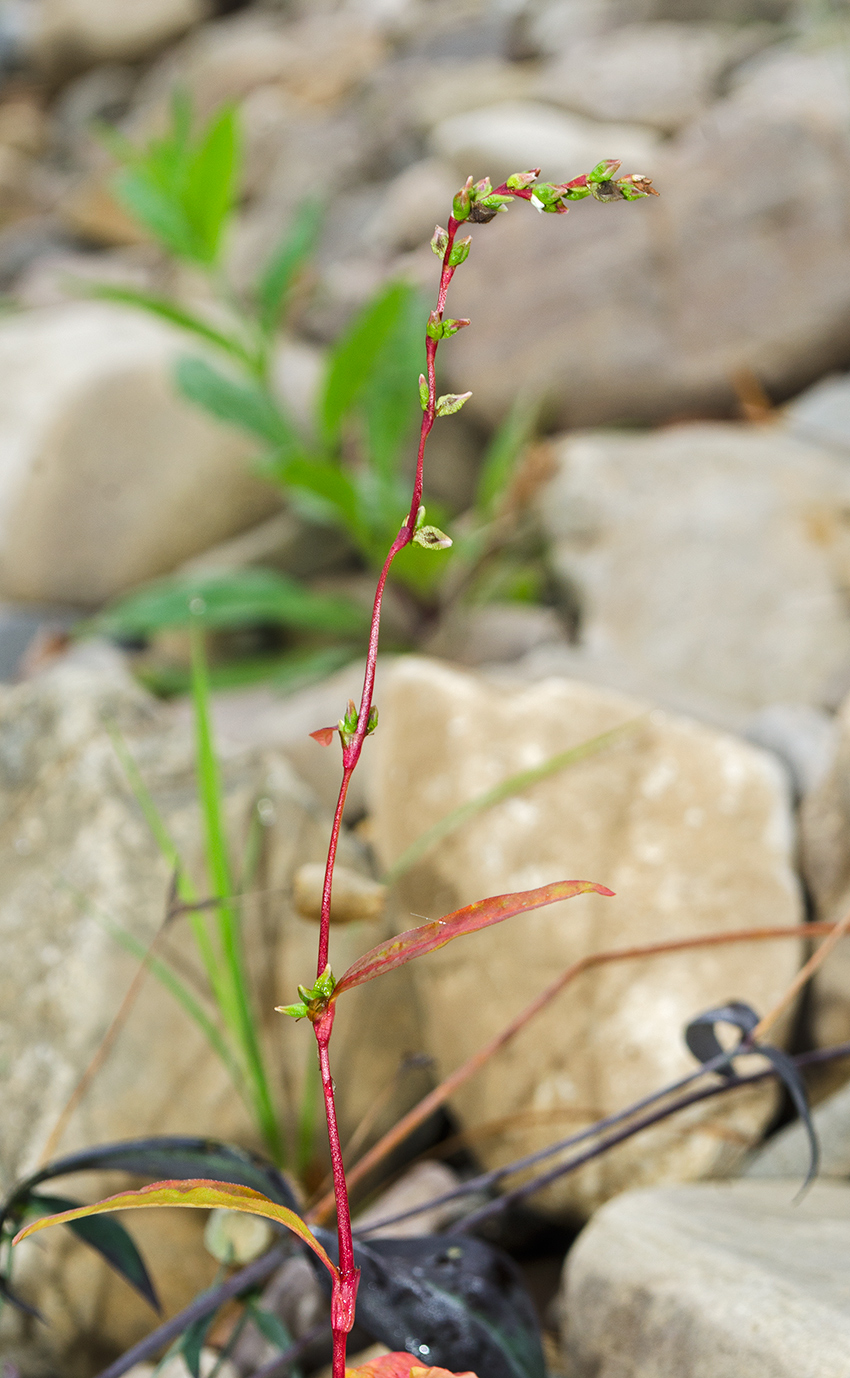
(438, 1097)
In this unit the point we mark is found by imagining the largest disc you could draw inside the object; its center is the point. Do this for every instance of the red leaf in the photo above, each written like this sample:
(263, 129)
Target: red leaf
(401, 1366)
(324, 735)
(416, 942)
(197, 1192)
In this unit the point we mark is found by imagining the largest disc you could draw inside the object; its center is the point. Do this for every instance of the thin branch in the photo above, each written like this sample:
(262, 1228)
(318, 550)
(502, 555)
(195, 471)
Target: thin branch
(804, 975)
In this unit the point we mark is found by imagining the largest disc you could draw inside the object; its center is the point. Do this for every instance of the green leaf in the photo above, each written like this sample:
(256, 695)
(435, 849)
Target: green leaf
(270, 1327)
(200, 1194)
(330, 491)
(503, 452)
(168, 311)
(210, 185)
(109, 1239)
(237, 598)
(389, 399)
(240, 404)
(156, 210)
(279, 274)
(193, 1342)
(417, 942)
(351, 361)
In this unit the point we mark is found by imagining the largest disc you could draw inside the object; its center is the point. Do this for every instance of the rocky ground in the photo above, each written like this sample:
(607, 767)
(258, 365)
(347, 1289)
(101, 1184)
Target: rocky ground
(691, 355)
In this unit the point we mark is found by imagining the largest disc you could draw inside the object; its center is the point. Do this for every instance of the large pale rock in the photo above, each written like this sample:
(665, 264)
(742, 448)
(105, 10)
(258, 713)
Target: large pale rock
(513, 135)
(788, 1153)
(825, 835)
(711, 563)
(637, 312)
(79, 33)
(662, 75)
(691, 829)
(80, 867)
(712, 1281)
(103, 465)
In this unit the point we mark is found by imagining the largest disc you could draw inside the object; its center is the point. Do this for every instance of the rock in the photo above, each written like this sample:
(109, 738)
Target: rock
(295, 1296)
(712, 1281)
(825, 847)
(71, 34)
(710, 563)
(413, 202)
(804, 739)
(236, 1238)
(103, 462)
(421, 1183)
(500, 139)
(690, 827)
(786, 1154)
(661, 75)
(761, 265)
(821, 415)
(81, 868)
(495, 632)
(355, 898)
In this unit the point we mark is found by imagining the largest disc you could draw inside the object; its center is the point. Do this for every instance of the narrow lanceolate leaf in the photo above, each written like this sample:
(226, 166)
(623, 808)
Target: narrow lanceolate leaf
(416, 942)
(199, 1193)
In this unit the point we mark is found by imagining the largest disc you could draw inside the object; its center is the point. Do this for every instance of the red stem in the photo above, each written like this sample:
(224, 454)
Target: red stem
(346, 1279)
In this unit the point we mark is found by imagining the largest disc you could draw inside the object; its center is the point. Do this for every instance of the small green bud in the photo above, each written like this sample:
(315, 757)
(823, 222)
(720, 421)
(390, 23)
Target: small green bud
(521, 181)
(298, 1011)
(604, 171)
(462, 203)
(423, 391)
(373, 721)
(451, 402)
(635, 186)
(432, 538)
(441, 330)
(439, 240)
(348, 723)
(460, 251)
(325, 985)
(481, 189)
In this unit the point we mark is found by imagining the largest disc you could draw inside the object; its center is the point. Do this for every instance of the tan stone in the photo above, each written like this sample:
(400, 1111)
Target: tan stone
(692, 830)
(103, 462)
(825, 837)
(81, 867)
(355, 898)
(79, 33)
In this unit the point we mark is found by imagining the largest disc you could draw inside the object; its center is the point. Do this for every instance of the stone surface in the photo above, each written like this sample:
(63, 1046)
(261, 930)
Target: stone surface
(421, 1183)
(495, 632)
(712, 1281)
(78, 33)
(80, 866)
(711, 564)
(210, 1360)
(690, 827)
(102, 461)
(822, 413)
(640, 312)
(825, 848)
(787, 1153)
(500, 139)
(662, 75)
(805, 739)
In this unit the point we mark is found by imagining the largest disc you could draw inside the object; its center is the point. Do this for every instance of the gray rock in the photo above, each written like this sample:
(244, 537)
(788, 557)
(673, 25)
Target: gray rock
(804, 738)
(421, 1183)
(709, 562)
(513, 135)
(786, 1154)
(661, 75)
(103, 462)
(821, 415)
(639, 312)
(712, 1281)
(70, 34)
(495, 633)
(825, 852)
(689, 826)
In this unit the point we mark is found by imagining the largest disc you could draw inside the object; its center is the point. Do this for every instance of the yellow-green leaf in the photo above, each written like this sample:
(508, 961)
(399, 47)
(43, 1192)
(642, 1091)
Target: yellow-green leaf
(197, 1192)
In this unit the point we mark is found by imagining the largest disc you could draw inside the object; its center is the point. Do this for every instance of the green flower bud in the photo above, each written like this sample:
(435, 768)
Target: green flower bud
(460, 251)
(439, 240)
(521, 181)
(451, 402)
(462, 203)
(423, 391)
